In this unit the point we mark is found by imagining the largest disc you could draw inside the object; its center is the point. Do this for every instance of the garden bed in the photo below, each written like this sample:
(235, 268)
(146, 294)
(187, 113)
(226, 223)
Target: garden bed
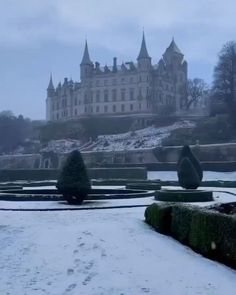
(54, 195)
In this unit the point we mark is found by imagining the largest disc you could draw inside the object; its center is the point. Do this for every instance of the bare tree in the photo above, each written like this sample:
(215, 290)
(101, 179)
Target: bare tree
(197, 89)
(224, 74)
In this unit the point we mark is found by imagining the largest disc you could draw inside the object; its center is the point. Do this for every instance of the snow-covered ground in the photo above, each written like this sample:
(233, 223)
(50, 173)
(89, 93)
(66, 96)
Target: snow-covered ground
(207, 175)
(103, 252)
(140, 139)
(62, 146)
(149, 137)
(109, 252)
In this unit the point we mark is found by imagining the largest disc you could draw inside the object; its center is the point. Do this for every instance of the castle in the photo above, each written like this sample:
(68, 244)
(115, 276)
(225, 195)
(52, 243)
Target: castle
(138, 89)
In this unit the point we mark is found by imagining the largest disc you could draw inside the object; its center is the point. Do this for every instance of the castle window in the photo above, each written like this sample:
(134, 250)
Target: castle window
(140, 106)
(91, 109)
(91, 94)
(114, 108)
(140, 78)
(122, 80)
(58, 105)
(114, 81)
(97, 109)
(75, 112)
(131, 80)
(105, 109)
(122, 107)
(75, 101)
(97, 83)
(98, 96)
(106, 95)
(131, 107)
(122, 94)
(131, 94)
(85, 109)
(57, 116)
(147, 78)
(105, 82)
(79, 102)
(114, 94)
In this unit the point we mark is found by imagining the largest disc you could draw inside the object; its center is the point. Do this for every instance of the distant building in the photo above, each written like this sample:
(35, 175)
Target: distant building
(140, 89)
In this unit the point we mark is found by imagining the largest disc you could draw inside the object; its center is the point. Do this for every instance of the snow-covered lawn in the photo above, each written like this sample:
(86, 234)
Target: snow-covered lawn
(100, 252)
(207, 175)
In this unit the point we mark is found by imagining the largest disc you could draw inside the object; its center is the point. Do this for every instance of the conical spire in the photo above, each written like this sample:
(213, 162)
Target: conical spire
(173, 47)
(86, 59)
(143, 51)
(50, 85)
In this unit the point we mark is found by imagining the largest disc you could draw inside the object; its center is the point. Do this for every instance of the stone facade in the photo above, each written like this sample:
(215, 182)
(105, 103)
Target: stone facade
(130, 88)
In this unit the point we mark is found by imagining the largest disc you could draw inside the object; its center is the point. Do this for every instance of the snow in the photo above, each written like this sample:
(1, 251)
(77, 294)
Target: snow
(62, 146)
(103, 252)
(149, 137)
(100, 252)
(207, 175)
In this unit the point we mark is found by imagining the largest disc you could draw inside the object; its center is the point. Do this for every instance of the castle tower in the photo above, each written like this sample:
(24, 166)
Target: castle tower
(86, 66)
(50, 95)
(144, 60)
(173, 55)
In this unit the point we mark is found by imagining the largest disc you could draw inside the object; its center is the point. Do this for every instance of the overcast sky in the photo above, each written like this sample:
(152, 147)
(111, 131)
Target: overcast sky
(42, 36)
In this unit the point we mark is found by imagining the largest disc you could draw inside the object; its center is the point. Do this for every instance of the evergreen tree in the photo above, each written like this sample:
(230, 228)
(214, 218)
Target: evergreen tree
(73, 181)
(187, 174)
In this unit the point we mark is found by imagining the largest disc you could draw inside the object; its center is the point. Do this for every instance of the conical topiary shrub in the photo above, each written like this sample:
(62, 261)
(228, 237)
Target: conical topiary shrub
(187, 174)
(73, 181)
(187, 153)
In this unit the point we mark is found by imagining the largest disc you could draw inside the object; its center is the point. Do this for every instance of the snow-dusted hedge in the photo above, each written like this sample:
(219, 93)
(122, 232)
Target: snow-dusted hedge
(159, 216)
(206, 231)
(94, 173)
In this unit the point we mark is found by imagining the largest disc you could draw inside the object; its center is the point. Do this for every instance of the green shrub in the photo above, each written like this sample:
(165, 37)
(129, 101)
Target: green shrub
(187, 174)
(73, 181)
(187, 153)
(159, 216)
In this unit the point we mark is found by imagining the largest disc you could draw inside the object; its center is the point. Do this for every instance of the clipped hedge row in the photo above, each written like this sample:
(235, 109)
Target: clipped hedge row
(184, 196)
(208, 232)
(94, 173)
(159, 216)
(145, 186)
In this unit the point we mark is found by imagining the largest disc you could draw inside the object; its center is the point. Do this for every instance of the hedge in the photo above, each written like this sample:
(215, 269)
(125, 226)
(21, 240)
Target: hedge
(145, 186)
(95, 173)
(206, 231)
(184, 196)
(214, 235)
(159, 216)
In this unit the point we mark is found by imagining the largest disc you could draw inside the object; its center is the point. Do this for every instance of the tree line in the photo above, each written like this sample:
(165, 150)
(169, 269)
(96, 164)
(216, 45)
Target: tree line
(223, 89)
(13, 131)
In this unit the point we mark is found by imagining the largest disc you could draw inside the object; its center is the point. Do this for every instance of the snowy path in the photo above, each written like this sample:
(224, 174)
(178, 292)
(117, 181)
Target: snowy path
(100, 252)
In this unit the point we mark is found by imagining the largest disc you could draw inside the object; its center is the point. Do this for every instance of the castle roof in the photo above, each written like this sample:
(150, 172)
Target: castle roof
(143, 50)
(50, 85)
(86, 59)
(173, 47)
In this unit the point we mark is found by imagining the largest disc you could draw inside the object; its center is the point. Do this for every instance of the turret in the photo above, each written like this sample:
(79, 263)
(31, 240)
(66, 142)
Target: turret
(173, 55)
(50, 95)
(50, 89)
(144, 60)
(86, 66)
